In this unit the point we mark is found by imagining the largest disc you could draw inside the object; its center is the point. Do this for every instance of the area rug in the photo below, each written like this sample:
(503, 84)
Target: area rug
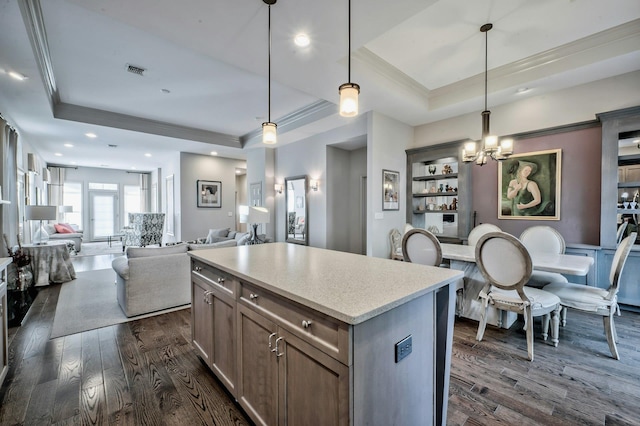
(90, 302)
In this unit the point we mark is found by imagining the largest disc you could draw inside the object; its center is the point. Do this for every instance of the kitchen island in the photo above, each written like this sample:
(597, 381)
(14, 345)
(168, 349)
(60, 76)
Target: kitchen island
(301, 335)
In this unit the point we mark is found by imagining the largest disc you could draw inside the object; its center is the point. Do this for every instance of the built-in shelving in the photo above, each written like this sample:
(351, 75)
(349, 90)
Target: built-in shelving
(436, 194)
(436, 177)
(434, 211)
(5, 202)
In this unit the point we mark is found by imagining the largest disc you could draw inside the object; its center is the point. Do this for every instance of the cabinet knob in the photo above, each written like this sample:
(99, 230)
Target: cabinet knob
(198, 268)
(253, 296)
(220, 280)
(306, 324)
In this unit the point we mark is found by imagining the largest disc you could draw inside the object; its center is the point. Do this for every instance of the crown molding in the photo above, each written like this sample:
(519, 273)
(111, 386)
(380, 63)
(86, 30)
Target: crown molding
(301, 117)
(127, 122)
(34, 23)
(606, 44)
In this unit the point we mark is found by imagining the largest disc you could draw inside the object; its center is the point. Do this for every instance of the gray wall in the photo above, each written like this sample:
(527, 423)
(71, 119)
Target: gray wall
(196, 222)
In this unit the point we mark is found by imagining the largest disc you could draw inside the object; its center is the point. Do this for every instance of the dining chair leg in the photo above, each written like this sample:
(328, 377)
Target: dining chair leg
(564, 316)
(555, 325)
(483, 320)
(545, 326)
(529, 321)
(609, 329)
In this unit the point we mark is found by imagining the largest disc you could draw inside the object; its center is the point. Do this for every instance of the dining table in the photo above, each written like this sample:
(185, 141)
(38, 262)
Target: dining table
(463, 258)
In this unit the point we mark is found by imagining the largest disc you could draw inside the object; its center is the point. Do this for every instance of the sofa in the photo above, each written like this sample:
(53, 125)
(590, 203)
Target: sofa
(53, 229)
(150, 279)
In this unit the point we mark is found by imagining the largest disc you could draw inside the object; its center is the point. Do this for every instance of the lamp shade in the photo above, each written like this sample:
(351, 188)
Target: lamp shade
(258, 215)
(40, 212)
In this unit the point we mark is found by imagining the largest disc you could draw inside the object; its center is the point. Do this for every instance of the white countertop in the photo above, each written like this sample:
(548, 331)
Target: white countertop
(560, 263)
(349, 287)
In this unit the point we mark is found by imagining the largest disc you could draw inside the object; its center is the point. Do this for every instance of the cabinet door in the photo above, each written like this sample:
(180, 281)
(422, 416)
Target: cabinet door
(223, 355)
(257, 385)
(314, 387)
(201, 319)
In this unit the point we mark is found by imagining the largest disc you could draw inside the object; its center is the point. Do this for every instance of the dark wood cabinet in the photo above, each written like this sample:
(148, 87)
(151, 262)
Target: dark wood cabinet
(4, 321)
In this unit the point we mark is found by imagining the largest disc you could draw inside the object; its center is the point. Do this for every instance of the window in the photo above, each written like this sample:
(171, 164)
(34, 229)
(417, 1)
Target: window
(132, 201)
(104, 186)
(72, 196)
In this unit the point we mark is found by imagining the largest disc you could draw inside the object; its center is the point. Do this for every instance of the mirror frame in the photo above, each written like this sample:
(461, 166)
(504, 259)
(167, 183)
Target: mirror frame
(287, 238)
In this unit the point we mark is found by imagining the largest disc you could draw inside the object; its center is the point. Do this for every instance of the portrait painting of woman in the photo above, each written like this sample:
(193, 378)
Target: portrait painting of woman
(529, 186)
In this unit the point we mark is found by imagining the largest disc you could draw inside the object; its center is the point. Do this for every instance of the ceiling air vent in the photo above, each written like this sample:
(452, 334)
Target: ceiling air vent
(135, 70)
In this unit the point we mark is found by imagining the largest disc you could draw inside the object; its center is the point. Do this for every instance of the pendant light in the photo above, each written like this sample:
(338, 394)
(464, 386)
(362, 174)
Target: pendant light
(269, 129)
(349, 91)
(489, 143)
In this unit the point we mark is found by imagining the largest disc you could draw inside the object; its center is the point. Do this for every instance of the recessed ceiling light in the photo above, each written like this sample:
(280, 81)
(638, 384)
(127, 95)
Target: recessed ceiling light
(104, 165)
(91, 135)
(301, 40)
(73, 162)
(57, 154)
(214, 153)
(522, 90)
(147, 155)
(133, 168)
(17, 75)
(68, 145)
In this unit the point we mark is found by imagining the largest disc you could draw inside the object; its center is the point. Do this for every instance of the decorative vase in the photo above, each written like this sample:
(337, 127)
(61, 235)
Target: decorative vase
(432, 169)
(21, 279)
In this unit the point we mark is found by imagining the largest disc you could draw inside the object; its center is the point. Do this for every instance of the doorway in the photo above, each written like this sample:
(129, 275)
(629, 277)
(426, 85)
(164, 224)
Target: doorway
(103, 211)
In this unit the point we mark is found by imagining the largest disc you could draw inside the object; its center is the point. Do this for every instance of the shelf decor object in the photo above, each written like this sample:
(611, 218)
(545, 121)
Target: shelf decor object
(489, 144)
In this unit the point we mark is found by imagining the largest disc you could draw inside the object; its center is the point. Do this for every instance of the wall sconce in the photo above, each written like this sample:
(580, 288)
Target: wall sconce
(313, 184)
(279, 188)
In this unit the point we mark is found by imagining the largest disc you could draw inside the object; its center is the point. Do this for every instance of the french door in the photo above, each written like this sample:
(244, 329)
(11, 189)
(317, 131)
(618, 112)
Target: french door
(103, 211)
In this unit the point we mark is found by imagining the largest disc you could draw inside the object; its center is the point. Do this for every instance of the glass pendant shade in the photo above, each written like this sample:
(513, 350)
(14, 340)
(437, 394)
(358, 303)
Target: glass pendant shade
(269, 133)
(349, 99)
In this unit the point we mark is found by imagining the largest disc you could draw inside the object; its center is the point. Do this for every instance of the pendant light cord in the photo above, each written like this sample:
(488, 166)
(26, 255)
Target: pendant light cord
(486, 56)
(269, 84)
(349, 52)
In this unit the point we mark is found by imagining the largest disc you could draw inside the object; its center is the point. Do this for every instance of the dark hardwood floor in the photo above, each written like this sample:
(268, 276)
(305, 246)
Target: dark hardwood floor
(146, 372)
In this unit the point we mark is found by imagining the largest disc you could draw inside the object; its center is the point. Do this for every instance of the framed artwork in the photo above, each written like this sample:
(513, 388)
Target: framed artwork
(529, 186)
(255, 189)
(168, 188)
(209, 193)
(390, 190)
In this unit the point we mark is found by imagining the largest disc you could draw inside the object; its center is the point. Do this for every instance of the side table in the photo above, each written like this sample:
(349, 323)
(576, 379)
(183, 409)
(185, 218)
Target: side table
(50, 263)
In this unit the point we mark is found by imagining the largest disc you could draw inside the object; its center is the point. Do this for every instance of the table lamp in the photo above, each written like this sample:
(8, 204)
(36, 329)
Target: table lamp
(257, 215)
(40, 213)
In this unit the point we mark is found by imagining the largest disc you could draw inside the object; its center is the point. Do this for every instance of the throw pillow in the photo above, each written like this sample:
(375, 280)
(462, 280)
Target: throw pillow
(232, 234)
(221, 232)
(133, 252)
(63, 228)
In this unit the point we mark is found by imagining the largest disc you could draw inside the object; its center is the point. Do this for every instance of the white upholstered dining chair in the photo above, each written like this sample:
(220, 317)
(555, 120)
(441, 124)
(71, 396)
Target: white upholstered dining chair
(421, 246)
(480, 230)
(596, 300)
(506, 266)
(543, 239)
(395, 242)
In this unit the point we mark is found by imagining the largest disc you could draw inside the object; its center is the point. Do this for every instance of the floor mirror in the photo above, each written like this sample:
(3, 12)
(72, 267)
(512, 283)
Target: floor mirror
(297, 217)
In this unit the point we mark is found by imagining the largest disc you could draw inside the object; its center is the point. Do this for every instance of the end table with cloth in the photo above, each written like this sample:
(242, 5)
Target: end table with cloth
(50, 263)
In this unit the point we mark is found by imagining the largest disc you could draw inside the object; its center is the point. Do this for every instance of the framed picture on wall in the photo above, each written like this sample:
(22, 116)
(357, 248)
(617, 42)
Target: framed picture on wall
(529, 186)
(390, 190)
(209, 193)
(255, 190)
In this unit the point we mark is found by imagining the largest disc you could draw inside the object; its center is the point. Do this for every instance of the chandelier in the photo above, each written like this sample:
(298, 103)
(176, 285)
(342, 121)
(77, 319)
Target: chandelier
(489, 148)
(349, 91)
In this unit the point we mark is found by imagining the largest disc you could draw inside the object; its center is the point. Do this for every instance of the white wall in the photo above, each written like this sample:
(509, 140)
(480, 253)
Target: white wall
(573, 105)
(387, 140)
(195, 222)
(261, 168)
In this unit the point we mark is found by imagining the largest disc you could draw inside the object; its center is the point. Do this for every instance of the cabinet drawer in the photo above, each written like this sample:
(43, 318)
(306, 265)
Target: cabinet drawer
(218, 279)
(323, 332)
